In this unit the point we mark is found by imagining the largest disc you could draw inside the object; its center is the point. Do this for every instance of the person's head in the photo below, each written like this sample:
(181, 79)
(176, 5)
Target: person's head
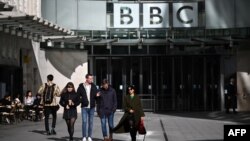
(105, 84)
(38, 96)
(89, 78)
(50, 78)
(70, 87)
(131, 89)
(7, 97)
(232, 81)
(28, 93)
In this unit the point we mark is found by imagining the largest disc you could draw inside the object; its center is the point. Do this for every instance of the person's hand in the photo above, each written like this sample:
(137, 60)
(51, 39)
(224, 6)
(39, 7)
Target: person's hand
(98, 94)
(142, 118)
(67, 107)
(71, 102)
(131, 111)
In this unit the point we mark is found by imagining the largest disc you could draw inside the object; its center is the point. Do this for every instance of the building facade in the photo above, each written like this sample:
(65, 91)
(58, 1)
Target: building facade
(178, 54)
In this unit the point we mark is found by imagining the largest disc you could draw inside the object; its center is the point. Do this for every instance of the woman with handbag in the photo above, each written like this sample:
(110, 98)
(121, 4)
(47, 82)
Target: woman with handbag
(133, 114)
(70, 100)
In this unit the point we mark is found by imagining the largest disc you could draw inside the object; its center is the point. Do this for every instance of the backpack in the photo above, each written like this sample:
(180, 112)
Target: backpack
(48, 93)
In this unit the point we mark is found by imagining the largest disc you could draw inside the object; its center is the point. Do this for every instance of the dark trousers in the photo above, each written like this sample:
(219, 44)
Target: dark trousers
(132, 130)
(230, 103)
(27, 109)
(38, 112)
(47, 111)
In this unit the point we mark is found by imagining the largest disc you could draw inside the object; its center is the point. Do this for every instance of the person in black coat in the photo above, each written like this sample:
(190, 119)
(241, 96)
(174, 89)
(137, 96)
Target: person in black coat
(231, 96)
(70, 100)
(87, 92)
(106, 107)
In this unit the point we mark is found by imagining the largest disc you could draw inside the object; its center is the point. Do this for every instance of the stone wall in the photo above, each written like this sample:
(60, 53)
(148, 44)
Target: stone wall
(31, 7)
(243, 78)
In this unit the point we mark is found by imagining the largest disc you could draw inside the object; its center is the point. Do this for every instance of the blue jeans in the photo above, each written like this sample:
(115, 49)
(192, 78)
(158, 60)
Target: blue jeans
(110, 124)
(87, 116)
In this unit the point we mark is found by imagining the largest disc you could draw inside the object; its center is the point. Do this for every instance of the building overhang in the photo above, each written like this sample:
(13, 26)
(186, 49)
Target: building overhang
(29, 26)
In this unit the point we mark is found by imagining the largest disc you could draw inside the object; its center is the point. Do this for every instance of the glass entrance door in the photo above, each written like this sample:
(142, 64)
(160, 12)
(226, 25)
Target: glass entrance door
(124, 71)
(180, 83)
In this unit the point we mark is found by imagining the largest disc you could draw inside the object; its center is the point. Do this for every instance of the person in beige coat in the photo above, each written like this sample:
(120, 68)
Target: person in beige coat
(49, 91)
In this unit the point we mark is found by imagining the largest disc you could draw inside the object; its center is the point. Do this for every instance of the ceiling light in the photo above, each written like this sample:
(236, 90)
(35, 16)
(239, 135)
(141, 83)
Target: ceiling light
(139, 46)
(25, 35)
(19, 33)
(30, 36)
(35, 38)
(108, 46)
(62, 44)
(40, 39)
(231, 43)
(50, 43)
(81, 45)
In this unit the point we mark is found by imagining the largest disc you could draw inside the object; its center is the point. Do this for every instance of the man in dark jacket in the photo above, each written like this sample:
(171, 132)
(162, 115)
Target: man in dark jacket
(230, 96)
(88, 92)
(107, 103)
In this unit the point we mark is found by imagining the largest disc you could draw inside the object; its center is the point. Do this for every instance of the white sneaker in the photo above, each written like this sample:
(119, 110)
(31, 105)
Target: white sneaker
(84, 139)
(89, 139)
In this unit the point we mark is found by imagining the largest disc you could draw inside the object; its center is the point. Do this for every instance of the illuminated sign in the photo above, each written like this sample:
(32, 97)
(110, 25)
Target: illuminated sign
(126, 15)
(155, 15)
(185, 14)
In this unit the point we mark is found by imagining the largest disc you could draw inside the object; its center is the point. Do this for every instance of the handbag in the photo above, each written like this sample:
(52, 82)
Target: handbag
(141, 128)
(57, 107)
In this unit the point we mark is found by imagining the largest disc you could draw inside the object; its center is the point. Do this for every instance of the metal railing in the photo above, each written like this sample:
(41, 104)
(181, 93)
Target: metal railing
(148, 102)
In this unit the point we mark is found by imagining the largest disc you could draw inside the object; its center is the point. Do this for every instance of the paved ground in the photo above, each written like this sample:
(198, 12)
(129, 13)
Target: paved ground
(194, 126)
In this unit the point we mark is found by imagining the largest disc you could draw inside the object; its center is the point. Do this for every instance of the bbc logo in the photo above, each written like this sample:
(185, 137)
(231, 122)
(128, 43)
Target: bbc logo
(236, 132)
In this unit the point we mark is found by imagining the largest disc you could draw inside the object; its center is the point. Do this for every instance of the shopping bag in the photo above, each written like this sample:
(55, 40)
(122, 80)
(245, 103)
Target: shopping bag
(141, 128)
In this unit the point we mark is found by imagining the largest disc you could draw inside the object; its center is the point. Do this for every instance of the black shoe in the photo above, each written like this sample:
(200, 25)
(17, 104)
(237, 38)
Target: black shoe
(53, 131)
(48, 132)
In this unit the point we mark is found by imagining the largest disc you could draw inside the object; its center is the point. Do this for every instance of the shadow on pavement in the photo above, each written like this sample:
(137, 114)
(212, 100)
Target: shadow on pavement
(66, 138)
(206, 140)
(75, 139)
(240, 117)
(39, 132)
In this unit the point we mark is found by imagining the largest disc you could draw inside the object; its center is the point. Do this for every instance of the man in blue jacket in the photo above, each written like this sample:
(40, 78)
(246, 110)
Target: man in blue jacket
(107, 104)
(88, 92)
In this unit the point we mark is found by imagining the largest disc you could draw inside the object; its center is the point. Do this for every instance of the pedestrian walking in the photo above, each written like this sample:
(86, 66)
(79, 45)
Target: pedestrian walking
(106, 107)
(49, 91)
(133, 114)
(70, 100)
(87, 92)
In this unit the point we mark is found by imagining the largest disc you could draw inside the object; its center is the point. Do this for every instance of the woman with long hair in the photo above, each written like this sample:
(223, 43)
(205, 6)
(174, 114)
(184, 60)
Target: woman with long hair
(28, 103)
(133, 114)
(70, 100)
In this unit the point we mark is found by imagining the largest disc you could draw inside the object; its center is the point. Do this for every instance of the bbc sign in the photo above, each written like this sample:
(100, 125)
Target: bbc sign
(155, 15)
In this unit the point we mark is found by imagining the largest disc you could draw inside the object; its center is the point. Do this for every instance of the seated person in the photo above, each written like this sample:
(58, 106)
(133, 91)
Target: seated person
(6, 102)
(37, 106)
(18, 102)
(28, 103)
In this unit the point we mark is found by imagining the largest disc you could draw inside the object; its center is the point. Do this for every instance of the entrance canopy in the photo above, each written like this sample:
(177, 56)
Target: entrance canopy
(28, 26)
